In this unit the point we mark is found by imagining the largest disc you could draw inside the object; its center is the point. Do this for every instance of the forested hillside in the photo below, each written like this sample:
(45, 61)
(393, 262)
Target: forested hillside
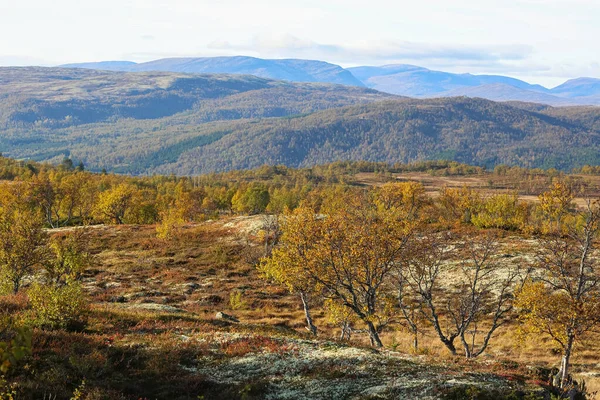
(467, 130)
(144, 123)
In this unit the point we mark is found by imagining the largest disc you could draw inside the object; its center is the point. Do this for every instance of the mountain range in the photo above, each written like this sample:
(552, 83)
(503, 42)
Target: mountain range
(288, 70)
(183, 123)
(403, 80)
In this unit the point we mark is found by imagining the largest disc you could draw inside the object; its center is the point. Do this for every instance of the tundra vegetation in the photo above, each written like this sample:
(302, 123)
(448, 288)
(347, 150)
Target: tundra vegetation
(185, 287)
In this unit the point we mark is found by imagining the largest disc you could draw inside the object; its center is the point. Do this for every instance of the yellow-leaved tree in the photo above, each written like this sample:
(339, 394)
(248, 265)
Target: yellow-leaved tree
(458, 205)
(292, 264)
(348, 253)
(113, 204)
(502, 211)
(58, 301)
(22, 238)
(555, 204)
(68, 257)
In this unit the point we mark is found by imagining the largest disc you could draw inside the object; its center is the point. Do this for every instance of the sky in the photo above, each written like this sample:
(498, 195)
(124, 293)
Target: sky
(540, 41)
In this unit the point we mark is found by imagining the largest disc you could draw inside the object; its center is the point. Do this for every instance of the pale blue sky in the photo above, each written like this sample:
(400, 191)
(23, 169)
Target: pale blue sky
(541, 41)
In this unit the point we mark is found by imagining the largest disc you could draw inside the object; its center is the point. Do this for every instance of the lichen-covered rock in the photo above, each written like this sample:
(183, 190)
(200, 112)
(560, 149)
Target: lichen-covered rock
(226, 317)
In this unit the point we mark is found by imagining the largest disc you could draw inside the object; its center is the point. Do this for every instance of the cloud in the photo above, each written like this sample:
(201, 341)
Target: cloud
(373, 51)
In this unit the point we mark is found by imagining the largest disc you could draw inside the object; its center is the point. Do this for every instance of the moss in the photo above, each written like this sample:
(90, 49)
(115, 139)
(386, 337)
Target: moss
(472, 392)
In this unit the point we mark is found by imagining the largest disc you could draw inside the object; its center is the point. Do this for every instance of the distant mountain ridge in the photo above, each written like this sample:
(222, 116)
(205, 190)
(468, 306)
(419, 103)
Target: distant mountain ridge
(287, 69)
(414, 81)
(421, 82)
(399, 79)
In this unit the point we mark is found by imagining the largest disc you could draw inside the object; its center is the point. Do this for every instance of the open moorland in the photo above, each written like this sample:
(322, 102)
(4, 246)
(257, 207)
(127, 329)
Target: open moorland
(169, 287)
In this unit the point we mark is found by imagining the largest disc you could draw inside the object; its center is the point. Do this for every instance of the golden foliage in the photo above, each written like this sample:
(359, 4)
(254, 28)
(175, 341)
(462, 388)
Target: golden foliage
(54, 306)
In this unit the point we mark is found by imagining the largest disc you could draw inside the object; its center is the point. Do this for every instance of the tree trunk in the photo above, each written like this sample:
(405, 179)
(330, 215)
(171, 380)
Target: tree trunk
(566, 361)
(416, 341)
(345, 331)
(16, 285)
(373, 335)
(448, 341)
(468, 353)
(311, 326)
(450, 346)
(467, 216)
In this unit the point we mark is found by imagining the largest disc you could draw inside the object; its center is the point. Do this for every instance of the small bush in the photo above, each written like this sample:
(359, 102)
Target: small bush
(220, 256)
(8, 391)
(57, 307)
(235, 300)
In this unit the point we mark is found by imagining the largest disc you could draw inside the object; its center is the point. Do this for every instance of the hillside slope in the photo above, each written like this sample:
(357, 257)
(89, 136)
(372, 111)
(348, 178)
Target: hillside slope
(466, 130)
(151, 122)
(55, 97)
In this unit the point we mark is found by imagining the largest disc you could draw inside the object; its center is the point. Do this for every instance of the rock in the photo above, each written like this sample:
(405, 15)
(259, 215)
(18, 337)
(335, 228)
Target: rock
(221, 315)
(117, 299)
(189, 288)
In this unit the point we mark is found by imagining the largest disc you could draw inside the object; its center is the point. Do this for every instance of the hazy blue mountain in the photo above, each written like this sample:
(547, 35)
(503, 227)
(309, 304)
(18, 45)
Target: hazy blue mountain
(414, 81)
(504, 92)
(580, 87)
(288, 70)
(103, 65)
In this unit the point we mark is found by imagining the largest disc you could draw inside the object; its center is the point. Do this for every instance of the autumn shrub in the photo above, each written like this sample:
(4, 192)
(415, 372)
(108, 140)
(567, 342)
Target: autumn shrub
(219, 256)
(57, 307)
(502, 211)
(457, 205)
(6, 286)
(11, 352)
(236, 302)
(69, 257)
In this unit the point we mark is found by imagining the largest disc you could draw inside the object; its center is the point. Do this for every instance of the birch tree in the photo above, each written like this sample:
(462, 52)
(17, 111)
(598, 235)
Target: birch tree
(462, 295)
(348, 254)
(563, 302)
